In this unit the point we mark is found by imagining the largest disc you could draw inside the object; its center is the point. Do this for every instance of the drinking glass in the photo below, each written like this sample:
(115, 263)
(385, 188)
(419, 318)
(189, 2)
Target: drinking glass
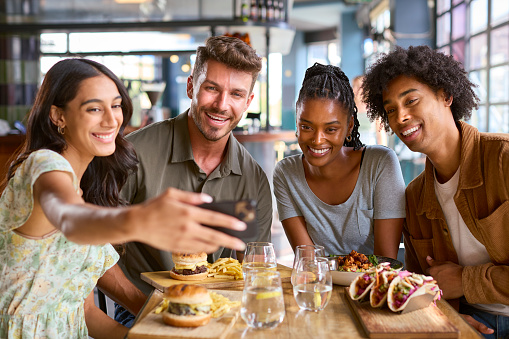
(306, 251)
(312, 288)
(258, 256)
(262, 305)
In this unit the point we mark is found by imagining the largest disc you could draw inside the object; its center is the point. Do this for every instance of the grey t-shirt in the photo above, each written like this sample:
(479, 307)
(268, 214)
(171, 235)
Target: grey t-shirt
(378, 194)
(166, 160)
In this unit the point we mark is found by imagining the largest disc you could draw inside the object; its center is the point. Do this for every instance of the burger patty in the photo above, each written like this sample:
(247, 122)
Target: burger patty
(197, 270)
(184, 309)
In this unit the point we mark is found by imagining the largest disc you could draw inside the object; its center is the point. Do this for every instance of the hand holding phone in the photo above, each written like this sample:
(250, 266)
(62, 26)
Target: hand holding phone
(244, 210)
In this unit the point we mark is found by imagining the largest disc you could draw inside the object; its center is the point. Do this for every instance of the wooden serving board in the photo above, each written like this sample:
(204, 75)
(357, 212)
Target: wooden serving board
(428, 322)
(162, 280)
(153, 327)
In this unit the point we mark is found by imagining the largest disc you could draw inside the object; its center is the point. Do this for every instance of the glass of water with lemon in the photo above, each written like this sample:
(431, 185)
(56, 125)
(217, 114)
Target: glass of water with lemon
(263, 305)
(258, 256)
(306, 251)
(312, 286)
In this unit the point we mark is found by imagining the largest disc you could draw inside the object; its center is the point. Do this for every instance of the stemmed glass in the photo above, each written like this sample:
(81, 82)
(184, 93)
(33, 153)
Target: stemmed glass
(258, 256)
(306, 251)
(263, 304)
(312, 286)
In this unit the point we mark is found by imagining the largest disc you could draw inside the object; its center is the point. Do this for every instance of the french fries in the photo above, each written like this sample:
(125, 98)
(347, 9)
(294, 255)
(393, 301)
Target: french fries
(162, 306)
(221, 304)
(226, 268)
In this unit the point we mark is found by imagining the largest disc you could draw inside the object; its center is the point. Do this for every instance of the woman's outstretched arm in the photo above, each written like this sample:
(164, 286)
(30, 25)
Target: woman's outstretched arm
(169, 222)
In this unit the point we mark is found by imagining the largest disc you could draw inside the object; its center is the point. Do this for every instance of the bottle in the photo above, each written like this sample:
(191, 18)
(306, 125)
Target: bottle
(277, 15)
(282, 14)
(244, 11)
(262, 11)
(270, 11)
(254, 11)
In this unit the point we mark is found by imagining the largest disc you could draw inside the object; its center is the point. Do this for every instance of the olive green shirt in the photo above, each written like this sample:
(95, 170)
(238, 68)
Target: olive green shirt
(166, 160)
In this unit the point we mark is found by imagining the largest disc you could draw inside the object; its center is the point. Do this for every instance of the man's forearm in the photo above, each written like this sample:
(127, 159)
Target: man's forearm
(121, 290)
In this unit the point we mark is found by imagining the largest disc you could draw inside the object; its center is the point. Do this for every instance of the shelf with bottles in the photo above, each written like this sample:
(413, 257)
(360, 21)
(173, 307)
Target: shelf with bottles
(202, 13)
(263, 11)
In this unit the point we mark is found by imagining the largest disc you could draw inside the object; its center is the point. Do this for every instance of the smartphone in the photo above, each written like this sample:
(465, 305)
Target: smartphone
(244, 210)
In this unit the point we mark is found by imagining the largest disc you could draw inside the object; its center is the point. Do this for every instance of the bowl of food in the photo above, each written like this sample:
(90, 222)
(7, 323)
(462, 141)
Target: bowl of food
(345, 268)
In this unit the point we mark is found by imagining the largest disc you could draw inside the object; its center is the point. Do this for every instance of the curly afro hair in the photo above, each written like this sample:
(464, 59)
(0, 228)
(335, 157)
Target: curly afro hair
(435, 69)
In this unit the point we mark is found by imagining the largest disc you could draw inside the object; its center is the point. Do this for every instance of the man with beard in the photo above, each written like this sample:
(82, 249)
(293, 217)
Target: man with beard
(197, 152)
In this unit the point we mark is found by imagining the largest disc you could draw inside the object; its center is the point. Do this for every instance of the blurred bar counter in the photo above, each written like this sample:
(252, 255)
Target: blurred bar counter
(264, 136)
(266, 147)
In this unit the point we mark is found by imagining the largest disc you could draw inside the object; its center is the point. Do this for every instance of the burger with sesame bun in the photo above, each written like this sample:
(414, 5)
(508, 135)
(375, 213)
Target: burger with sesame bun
(188, 306)
(189, 266)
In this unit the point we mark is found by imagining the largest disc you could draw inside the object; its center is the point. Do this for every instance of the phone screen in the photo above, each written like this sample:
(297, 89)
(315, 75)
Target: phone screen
(244, 210)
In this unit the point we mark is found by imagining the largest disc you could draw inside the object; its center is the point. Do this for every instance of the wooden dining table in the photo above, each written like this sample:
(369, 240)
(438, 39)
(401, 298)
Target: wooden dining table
(337, 320)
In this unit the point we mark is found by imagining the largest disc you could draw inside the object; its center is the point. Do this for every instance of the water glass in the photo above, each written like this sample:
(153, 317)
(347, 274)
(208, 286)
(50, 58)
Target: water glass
(312, 287)
(259, 255)
(263, 305)
(306, 251)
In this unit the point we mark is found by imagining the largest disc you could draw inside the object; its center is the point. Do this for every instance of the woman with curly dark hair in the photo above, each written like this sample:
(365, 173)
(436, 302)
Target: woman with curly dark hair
(59, 210)
(335, 193)
(457, 208)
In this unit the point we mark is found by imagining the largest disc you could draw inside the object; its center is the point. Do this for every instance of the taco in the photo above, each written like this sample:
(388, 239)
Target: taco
(361, 285)
(408, 285)
(378, 294)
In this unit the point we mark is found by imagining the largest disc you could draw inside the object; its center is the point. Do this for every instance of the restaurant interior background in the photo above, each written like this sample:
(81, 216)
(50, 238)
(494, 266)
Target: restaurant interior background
(150, 44)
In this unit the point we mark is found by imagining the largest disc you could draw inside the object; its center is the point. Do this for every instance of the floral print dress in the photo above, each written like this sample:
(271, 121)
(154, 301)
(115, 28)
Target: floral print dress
(45, 280)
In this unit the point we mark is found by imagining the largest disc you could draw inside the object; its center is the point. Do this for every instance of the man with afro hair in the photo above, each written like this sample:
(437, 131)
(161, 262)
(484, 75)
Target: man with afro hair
(457, 209)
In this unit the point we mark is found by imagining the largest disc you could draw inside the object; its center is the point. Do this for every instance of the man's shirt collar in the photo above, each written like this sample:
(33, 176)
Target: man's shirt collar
(182, 150)
(470, 170)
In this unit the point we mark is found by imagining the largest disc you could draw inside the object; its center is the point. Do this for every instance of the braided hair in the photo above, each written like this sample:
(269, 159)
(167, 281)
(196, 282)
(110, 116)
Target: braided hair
(329, 82)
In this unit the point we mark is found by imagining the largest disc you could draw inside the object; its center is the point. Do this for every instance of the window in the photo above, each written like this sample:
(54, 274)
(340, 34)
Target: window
(134, 70)
(476, 33)
(378, 43)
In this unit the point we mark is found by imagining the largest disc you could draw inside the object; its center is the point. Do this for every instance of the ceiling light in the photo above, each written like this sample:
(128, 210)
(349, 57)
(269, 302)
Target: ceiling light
(174, 58)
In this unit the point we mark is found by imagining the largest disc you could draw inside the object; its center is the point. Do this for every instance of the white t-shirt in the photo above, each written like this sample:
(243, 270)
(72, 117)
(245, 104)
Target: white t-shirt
(469, 250)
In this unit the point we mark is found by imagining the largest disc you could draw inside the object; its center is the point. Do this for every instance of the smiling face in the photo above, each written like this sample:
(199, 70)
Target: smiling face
(220, 96)
(91, 120)
(420, 117)
(322, 126)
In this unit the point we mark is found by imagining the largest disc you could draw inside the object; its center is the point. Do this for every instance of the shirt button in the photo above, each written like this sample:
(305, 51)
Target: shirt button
(200, 179)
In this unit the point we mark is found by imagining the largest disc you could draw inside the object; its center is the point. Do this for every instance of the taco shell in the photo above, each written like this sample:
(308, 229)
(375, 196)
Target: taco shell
(361, 285)
(408, 285)
(378, 294)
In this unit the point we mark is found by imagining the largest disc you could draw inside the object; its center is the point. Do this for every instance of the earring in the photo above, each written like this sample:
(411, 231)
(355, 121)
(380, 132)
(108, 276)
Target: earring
(61, 130)
(349, 138)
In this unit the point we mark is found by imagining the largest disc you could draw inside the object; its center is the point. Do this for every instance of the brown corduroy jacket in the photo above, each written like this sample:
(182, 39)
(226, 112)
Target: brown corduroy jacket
(482, 199)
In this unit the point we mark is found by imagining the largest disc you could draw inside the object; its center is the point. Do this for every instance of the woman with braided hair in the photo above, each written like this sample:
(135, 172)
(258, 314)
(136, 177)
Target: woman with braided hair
(338, 193)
